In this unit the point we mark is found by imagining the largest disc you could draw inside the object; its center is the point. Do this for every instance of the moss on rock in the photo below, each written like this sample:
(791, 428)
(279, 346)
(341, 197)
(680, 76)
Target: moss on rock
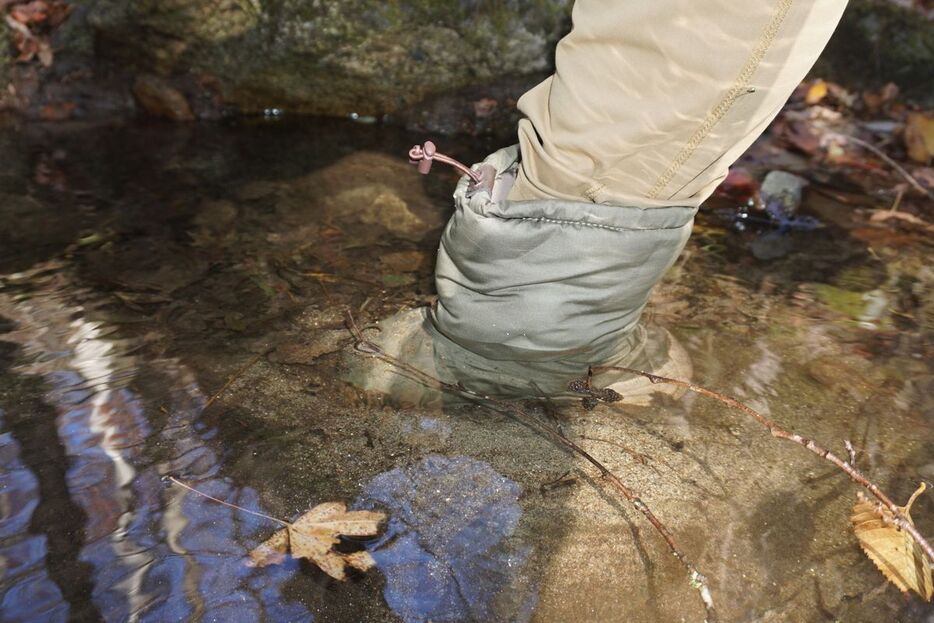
(338, 57)
(879, 42)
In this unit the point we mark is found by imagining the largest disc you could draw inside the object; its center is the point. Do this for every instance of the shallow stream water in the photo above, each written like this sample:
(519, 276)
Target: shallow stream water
(172, 303)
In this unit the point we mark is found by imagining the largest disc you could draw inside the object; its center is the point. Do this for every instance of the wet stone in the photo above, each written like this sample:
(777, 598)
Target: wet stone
(379, 205)
(446, 554)
(782, 192)
(160, 99)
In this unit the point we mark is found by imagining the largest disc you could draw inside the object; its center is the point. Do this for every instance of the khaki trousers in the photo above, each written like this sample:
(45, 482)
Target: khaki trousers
(653, 100)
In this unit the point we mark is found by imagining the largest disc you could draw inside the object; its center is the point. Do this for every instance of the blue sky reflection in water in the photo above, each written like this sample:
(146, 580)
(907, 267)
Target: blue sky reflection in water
(447, 553)
(155, 553)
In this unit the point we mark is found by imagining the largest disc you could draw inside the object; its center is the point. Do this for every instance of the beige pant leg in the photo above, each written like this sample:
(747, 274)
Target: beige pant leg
(652, 100)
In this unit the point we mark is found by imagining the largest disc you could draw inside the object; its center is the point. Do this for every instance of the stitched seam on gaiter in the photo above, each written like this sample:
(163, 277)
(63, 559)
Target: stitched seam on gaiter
(739, 87)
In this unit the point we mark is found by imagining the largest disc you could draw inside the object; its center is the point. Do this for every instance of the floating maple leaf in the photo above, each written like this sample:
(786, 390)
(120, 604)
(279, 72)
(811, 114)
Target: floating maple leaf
(313, 536)
(895, 553)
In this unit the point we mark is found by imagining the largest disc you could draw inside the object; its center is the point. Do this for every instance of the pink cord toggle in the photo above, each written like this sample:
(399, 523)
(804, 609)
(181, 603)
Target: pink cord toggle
(425, 155)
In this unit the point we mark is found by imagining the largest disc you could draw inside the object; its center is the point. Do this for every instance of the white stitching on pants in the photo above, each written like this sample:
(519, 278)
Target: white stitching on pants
(739, 87)
(555, 221)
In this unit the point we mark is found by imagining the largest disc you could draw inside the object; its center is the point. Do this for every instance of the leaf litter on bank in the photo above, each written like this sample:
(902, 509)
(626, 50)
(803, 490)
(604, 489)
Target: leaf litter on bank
(31, 24)
(868, 143)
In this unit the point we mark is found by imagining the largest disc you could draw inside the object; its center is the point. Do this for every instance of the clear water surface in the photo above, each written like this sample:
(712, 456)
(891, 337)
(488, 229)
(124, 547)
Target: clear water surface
(172, 302)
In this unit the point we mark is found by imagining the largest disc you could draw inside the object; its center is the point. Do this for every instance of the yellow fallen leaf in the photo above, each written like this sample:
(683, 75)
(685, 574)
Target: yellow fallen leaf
(894, 552)
(313, 536)
(919, 137)
(816, 92)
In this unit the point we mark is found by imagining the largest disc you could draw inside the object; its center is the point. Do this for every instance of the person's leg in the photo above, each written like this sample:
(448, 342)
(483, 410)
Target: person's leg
(652, 101)
(650, 104)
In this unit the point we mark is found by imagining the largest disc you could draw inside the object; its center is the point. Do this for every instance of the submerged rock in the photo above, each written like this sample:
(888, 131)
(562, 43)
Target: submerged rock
(782, 193)
(377, 204)
(305, 353)
(447, 553)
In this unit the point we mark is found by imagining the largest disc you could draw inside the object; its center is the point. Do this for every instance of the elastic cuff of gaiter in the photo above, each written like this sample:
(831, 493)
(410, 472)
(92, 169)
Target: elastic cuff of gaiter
(549, 280)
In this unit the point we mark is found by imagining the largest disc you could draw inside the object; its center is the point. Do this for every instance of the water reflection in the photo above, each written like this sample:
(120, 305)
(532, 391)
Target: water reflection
(155, 553)
(31, 593)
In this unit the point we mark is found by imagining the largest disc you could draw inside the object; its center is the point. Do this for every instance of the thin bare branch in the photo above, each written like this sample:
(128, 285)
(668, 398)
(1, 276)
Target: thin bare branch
(885, 158)
(851, 451)
(239, 373)
(849, 468)
(219, 501)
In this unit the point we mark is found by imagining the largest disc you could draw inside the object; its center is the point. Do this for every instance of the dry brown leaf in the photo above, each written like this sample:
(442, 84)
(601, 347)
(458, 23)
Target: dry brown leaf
(800, 135)
(919, 137)
(894, 552)
(33, 12)
(313, 536)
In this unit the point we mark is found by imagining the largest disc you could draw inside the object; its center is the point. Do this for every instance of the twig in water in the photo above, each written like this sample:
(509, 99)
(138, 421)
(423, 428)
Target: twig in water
(849, 468)
(697, 580)
(885, 158)
(898, 198)
(557, 483)
(219, 501)
(850, 451)
(234, 378)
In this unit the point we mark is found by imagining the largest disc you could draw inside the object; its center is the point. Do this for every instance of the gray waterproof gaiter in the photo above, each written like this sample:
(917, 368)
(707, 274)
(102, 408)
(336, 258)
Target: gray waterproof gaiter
(559, 284)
